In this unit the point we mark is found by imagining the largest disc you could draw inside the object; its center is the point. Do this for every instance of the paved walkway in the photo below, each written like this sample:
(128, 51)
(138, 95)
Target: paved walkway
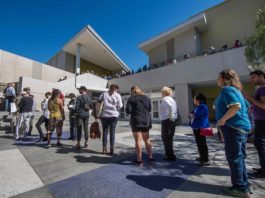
(28, 169)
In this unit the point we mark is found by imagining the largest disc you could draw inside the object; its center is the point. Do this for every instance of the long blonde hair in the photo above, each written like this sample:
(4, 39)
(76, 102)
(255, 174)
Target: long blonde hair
(230, 78)
(135, 90)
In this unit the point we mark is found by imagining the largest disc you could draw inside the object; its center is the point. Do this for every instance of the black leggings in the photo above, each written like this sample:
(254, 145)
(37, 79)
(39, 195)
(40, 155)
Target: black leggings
(201, 144)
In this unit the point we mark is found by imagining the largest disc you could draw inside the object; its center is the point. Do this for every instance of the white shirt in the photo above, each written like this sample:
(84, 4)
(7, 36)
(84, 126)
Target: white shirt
(168, 108)
(44, 107)
(112, 104)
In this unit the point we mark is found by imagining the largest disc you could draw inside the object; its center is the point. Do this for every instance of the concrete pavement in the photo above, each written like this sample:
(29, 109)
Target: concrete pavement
(28, 169)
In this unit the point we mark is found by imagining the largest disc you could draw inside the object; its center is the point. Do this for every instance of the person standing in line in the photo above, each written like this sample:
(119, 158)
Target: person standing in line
(45, 116)
(55, 106)
(232, 116)
(258, 103)
(139, 107)
(10, 94)
(72, 115)
(199, 120)
(112, 103)
(168, 117)
(25, 111)
(82, 107)
(27, 89)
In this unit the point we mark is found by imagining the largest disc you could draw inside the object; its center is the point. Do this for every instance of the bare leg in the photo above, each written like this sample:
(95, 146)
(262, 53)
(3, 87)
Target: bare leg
(148, 145)
(138, 145)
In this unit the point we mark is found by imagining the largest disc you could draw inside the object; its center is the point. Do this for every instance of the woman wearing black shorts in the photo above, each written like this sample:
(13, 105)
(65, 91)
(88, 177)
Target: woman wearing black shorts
(139, 107)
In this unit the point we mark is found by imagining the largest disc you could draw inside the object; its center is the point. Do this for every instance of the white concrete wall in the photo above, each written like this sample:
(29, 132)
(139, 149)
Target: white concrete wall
(185, 43)
(158, 54)
(192, 71)
(234, 19)
(40, 87)
(13, 66)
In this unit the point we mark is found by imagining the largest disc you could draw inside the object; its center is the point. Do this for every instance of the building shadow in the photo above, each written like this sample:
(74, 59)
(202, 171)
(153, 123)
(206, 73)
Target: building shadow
(160, 183)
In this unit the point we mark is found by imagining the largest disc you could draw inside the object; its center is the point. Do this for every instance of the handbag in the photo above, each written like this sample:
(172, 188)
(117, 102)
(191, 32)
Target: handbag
(95, 131)
(206, 131)
(13, 107)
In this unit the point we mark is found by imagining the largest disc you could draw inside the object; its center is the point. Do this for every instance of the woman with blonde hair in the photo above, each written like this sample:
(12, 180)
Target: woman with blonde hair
(232, 116)
(168, 116)
(139, 107)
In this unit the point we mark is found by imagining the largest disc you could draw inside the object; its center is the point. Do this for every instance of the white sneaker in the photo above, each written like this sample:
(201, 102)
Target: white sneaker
(17, 138)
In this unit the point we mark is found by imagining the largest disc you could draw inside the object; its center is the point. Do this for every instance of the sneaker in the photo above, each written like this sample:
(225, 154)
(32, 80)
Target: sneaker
(138, 163)
(201, 163)
(250, 189)
(77, 147)
(17, 138)
(85, 145)
(231, 191)
(48, 145)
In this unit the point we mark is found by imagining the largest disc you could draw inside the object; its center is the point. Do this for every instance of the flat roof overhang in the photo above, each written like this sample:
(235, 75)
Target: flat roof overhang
(199, 21)
(95, 50)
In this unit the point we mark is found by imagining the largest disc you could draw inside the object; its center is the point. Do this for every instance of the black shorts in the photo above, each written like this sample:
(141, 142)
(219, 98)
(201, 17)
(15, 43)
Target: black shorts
(140, 129)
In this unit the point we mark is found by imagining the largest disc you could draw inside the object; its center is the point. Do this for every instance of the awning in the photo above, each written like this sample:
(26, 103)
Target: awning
(199, 21)
(95, 50)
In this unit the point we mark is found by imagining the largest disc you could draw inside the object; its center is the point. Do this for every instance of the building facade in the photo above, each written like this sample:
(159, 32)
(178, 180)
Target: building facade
(190, 56)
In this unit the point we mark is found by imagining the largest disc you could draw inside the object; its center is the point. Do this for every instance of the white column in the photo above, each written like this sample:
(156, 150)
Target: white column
(77, 61)
(183, 97)
(77, 58)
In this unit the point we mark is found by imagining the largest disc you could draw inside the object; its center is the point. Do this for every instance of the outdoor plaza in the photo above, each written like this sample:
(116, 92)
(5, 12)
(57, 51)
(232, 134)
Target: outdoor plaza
(28, 169)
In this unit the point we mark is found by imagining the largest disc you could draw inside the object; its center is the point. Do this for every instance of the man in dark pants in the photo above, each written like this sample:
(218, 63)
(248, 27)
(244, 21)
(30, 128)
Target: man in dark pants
(72, 115)
(258, 102)
(83, 104)
(45, 116)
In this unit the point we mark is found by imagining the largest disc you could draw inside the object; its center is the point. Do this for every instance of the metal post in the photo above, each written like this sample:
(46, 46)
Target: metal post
(77, 61)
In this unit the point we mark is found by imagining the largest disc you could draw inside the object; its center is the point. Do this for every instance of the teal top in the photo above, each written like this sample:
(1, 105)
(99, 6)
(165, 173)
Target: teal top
(230, 96)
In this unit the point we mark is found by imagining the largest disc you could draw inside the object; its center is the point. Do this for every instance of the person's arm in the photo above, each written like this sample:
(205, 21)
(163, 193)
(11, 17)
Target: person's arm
(119, 105)
(49, 108)
(231, 100)
(20, 104)
(229, 114)
(77, 105)
(260, 104)
(149, 106)
(61, 108)
(200, 112)
(129, 106)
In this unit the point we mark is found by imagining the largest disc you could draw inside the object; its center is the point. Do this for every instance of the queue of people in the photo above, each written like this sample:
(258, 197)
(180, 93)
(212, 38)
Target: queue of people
(231, 108)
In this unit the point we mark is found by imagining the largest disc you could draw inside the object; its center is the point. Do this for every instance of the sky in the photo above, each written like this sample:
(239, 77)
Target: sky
(38, 29)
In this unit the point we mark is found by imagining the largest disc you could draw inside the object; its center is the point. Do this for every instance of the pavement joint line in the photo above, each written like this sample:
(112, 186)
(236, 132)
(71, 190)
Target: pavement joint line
(32, 167)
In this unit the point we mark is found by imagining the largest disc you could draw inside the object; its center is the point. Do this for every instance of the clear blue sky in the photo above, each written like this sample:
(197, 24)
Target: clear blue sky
(37, 29)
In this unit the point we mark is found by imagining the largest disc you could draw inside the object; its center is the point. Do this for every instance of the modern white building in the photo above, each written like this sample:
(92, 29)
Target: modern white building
(187, 57)
(184, 57)
(86, 54)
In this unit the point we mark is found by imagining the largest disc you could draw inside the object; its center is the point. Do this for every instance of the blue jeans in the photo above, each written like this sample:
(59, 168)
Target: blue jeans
(259, 141)
(235, 152)
(109, 124)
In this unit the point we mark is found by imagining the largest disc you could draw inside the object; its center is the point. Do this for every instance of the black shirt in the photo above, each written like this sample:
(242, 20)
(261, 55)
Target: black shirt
(139, 107)
(25, 104)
